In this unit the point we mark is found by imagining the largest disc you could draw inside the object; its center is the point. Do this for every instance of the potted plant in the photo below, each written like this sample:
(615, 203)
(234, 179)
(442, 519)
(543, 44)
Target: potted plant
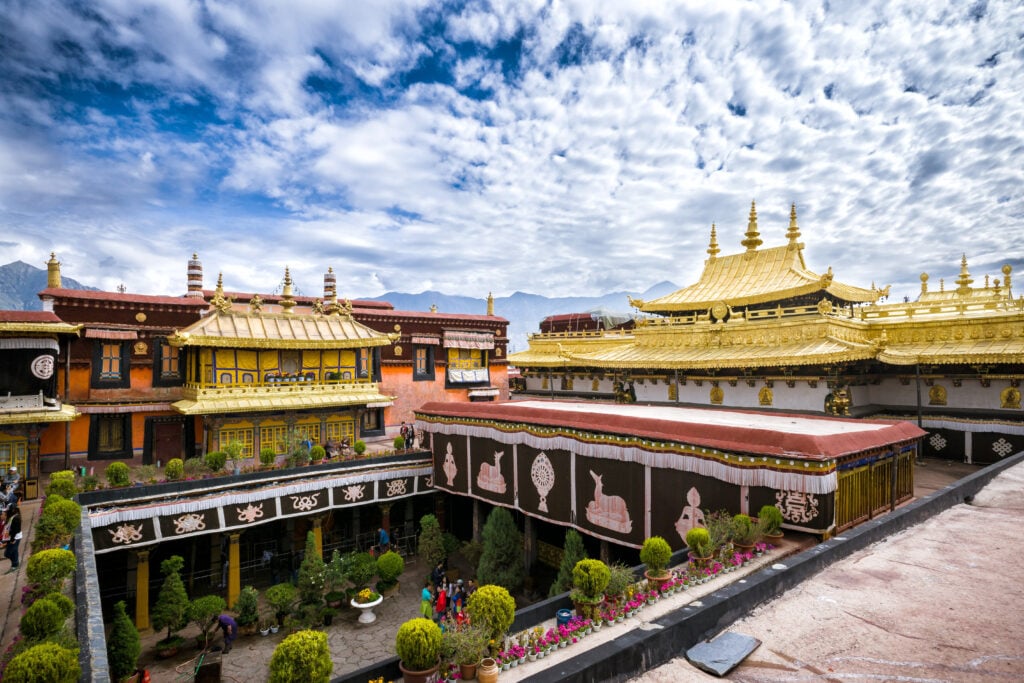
(327, 615)
(745, 532)
(234, 451)
(466, 646)
(44, 662)
(770, 519)
(302, 656)
(280, 597)
(698, 540)
(589, 579)
(123, 647)
(620, 579)
(202, 612)
(301, 457)
(118, 475)
(264, 627)
(335, 578)
(390, 566)
(359, 447)
(418, 646)
(171, 608)
(656, 554)
(362, 568)
(493, 608)
(175, 469)
(399, 443)
(268, 456)
(247, 609)
(317, 454)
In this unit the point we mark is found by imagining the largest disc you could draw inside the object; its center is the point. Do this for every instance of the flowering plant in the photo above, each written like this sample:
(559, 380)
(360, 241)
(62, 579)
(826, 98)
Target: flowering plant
(366, 595)
(517, 652)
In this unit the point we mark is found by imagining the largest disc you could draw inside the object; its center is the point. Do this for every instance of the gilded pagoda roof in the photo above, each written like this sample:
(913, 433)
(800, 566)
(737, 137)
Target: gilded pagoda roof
(258, 330)
(35, 322)
(261, 399)
(65, 413)
(755, 277)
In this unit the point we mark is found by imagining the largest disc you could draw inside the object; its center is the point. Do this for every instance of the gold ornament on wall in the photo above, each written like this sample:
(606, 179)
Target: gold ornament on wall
(717, 395)
(141, 348)
(398, 350)
(140, 317)
(937, 395)
(764, 397)
(1010, 398)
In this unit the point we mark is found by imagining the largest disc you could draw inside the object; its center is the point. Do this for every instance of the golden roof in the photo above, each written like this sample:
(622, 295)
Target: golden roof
(754, 277)
(65, 413)
(971, 352)
(240, 400)
(254, 330)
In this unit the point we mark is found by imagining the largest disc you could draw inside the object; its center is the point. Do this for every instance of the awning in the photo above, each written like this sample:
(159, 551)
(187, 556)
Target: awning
(425, 340)
(111, 334)
(65, 413)
(242, 403)
(468, 340)
(29, 343)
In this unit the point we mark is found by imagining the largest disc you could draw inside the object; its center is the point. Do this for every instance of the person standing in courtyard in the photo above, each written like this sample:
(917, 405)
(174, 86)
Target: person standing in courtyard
(12, 530)
(230, 628)
(426, 601)
(383, 541)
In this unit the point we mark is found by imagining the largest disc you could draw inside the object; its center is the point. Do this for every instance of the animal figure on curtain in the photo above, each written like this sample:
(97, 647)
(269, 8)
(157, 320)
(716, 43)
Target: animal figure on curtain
(609, 512)
(490, 478)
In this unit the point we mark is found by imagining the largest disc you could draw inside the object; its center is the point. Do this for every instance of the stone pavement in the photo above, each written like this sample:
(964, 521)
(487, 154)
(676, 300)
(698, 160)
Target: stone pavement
(11, 584)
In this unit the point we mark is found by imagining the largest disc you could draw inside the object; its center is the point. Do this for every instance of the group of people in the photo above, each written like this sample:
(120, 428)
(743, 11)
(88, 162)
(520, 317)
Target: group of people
(444, 600)
(10, 519)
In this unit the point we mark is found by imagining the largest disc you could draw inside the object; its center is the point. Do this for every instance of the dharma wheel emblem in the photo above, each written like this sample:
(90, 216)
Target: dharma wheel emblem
(543, 476)
(719, 310)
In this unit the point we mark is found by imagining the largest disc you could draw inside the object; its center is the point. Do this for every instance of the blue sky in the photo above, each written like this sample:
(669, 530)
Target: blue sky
(560, 148)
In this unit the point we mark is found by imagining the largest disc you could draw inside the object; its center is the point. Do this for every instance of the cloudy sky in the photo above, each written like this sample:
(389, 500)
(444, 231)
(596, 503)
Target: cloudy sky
(559, 147)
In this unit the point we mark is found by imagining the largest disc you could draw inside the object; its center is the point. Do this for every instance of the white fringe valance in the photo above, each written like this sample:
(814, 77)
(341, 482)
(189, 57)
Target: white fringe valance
(29, 343)
(102, 518)
(750, 470)
(966, 424)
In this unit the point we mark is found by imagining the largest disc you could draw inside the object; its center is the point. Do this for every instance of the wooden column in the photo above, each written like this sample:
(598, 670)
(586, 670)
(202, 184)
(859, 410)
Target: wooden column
(142, 590)
(385, 516)
(318, 535)
(234, 569)
(477, 526)
(604, 552)
(529, 544)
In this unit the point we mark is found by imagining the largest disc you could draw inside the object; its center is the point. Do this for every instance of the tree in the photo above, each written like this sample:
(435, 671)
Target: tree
(572, 553)
(502, 560)
(171, 606)
(311, 573)
(123, 646)
(431, 541)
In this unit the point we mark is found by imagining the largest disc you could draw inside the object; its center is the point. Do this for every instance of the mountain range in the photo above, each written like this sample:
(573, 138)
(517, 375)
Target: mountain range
(20, 284)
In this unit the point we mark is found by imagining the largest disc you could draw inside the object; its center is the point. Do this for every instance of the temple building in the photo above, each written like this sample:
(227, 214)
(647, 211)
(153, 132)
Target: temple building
(760, 330)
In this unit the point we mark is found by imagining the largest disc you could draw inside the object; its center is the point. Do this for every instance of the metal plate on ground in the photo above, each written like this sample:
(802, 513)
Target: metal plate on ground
(723, 654)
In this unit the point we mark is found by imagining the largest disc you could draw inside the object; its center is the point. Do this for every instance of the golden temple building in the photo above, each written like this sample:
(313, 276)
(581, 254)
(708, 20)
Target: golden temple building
(759, 330)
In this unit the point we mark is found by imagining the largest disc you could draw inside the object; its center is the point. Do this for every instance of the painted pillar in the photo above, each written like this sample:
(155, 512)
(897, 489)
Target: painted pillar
(142, 590)
(385, 516)
(234, 569)
(318, 535)
(605, 552)
(529, 544)
(476, 520)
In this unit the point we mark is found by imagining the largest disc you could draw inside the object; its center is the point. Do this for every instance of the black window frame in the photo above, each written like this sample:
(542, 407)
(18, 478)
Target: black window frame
(125, 379)
(429, 373)
(159, 380)
(126, 452)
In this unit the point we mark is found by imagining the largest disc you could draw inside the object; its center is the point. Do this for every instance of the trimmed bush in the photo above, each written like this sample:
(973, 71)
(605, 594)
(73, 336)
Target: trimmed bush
(317, 453)
(62, 484)
(41, 620)
(656, 553)
(590, 577)
(171, 608)
(573, 551)
(771, 520)
(201, 612)
(745, 531)
(247, 606)
(118, 474)
(175, 469)
(63, 603)
(44, 663)
(49, 568)
(418, 643)
(280, 597)
(399, 442)
(123, 644)
(359, 447)
(268, 456)
(698, 540)
(431, 541)
(362, 569)
(492, 608)
(502, 560)
(302, 656)
(215, 460)
(57, 522)
(390, 566)
(311, 573)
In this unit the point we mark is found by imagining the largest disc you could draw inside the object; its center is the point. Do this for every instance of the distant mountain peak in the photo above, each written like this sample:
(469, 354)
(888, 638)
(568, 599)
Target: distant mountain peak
(20, 284)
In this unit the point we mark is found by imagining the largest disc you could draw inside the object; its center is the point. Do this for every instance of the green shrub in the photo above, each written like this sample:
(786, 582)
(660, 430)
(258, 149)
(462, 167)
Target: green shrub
(317, 453)
(572, 552)
(247, 606)
(63, 603)
(311, 573)
(771, 520)
(195, 467)
(302, 656)
(175, 469)
(390, 566)
(44, 663)
(215, 460)
(62, 484)
(235, 450)
(362, 569)
(418, 643)
(745, 531)
(698, 540)
(145, 474)
(201, 612)
(656, 553)
(117, 474)
(280, 597)
(90, 482)
(502, 560)
(49, 568)
(123, 644)
(41, 620)
(431, 541)
(399, 442)
(171, 608)
(57, 522)
(590, 577)
(492, 608)
(620, 578)
(267, 455)
(359, 447)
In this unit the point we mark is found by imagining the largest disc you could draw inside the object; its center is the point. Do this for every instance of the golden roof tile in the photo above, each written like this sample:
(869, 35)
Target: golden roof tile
(213, 402)
(65, 413)
(236, 329)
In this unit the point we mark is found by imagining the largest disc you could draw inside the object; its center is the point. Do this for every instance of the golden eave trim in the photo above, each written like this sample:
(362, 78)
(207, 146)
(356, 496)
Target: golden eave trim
(66, 413)
(39, 328)
(308, 344)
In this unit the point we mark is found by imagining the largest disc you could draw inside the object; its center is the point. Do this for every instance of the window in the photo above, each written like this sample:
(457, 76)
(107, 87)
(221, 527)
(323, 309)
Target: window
(275, 436)
(167, 364)
(110, 437)
(373, 420)
(110, 367)
(422, 363)
(467, 366)
(14, 452)
(341, 430)
(226, 436)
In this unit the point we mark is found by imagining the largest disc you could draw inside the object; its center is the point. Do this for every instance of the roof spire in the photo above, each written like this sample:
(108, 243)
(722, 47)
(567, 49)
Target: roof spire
(753, 240)
(490, 303)
(794, 232)
(219, 301)
(713, 244)
(964, 281)
(287, 302)
(330, 284)
(195, 277)
(53, 272)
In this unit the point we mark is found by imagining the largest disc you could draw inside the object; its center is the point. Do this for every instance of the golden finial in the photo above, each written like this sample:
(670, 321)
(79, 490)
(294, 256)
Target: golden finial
(255, 304)
(964, 281)
(219, 301)
(433, 308)
(490, 304)
(53, 272)
(318, 307)
(345, 309)
(942, 284)
(1007, 269)
(924, 283)
(713, 244)
(287, 302)
(794, 232)
(753, 240)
